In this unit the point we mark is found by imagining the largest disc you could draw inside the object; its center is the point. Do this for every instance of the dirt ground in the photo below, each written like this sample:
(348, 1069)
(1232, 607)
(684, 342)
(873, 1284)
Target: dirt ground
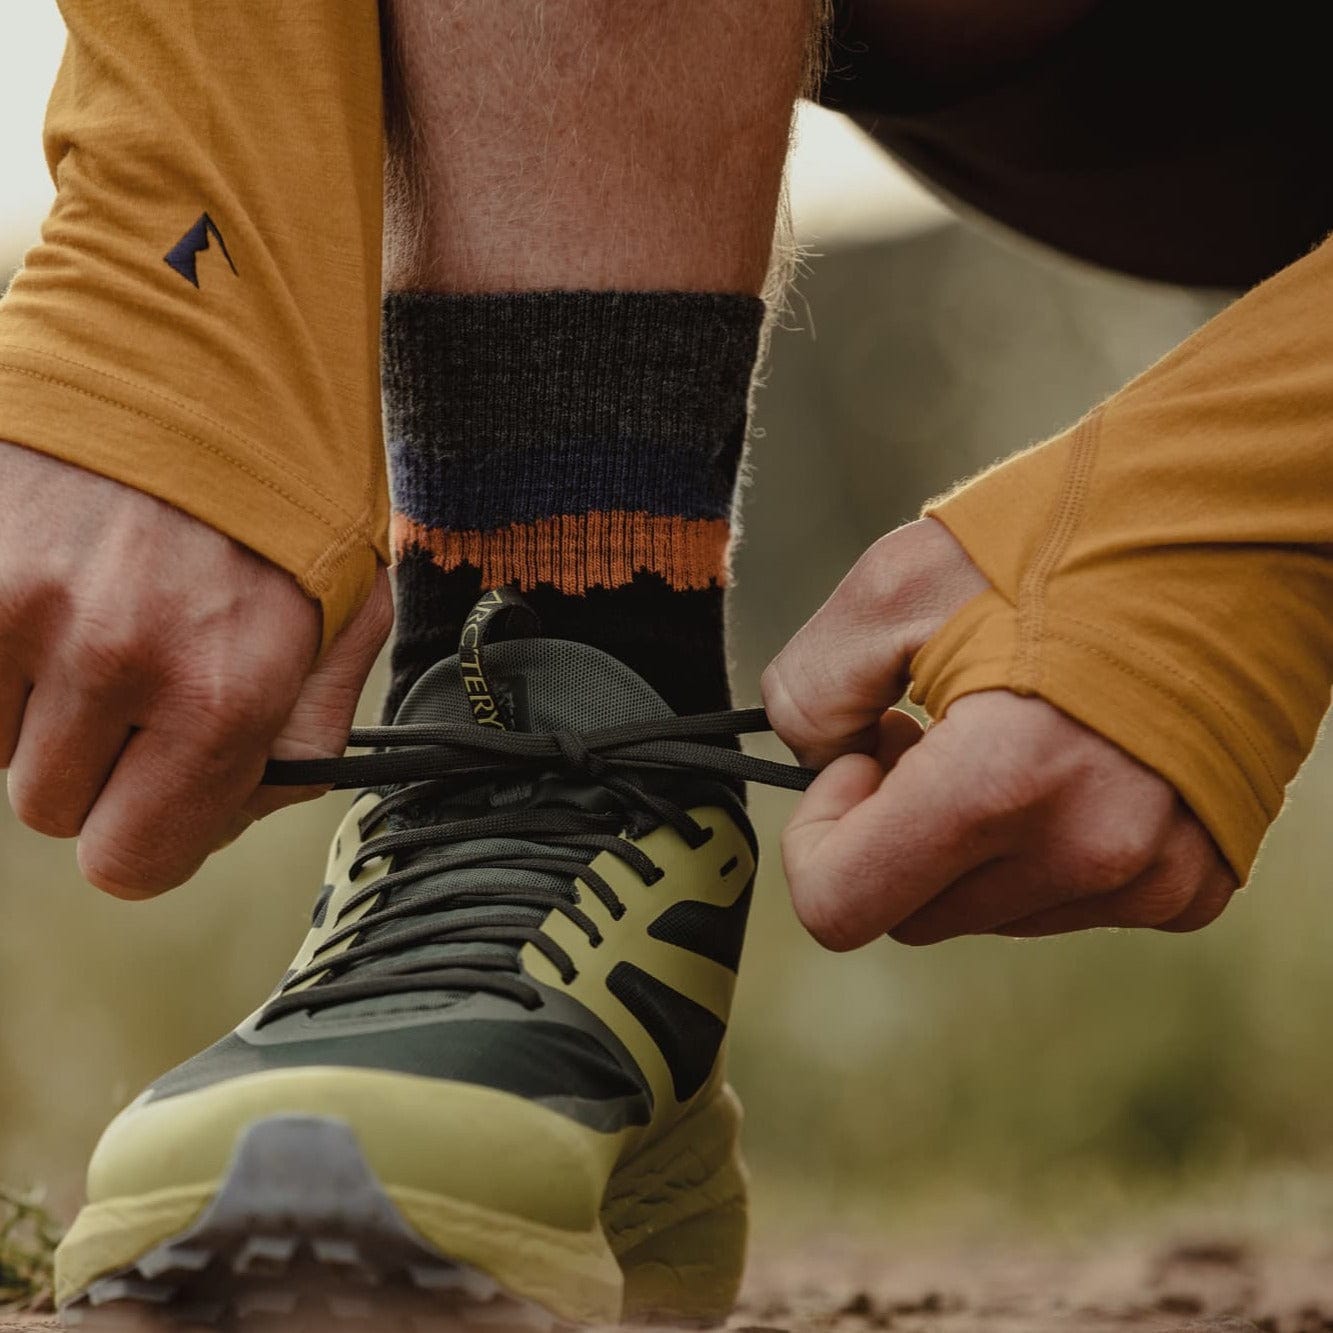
(832, 1286)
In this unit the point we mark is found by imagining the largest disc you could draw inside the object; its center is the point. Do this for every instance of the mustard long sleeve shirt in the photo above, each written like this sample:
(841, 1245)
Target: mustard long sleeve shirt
(1163, 572)
(200, 321)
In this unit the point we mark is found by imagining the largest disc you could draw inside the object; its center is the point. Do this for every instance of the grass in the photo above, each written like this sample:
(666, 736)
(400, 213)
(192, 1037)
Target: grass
(28, 1238)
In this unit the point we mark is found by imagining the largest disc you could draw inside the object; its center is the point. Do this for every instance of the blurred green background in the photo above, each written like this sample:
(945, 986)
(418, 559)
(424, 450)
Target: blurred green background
(980, 1084)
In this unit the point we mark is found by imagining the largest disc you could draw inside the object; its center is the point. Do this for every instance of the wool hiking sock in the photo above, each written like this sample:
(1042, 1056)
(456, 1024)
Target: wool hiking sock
(583, 447)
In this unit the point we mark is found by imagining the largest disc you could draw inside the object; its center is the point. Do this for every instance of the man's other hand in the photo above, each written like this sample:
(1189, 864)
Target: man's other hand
(1006, 817)
(149, 666)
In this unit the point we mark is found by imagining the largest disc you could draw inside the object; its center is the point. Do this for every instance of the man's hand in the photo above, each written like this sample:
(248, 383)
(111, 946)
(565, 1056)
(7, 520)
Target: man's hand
(1007, 816)
(148, 667)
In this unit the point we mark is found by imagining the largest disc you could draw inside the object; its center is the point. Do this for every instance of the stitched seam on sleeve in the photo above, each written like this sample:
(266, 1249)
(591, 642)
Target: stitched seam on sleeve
(1182, 699)
(231, 461)
(251, 445)
(320, 573)
(1064, 523)
(1176, 700)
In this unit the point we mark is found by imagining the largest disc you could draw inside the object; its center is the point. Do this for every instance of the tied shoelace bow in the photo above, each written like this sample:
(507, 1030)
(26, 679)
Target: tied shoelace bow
(425, 763)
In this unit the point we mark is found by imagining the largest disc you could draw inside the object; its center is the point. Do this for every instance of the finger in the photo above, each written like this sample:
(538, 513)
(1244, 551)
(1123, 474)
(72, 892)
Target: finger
(1086, 848)
(1060, 883)
(13, 700)
(827, 689)
(1219, 882)
(1011, 888)
(1209, 903)
(863, 851)
(324, 711)
(180, 782)
(1186, 889)
(835, 793)
(67, 747)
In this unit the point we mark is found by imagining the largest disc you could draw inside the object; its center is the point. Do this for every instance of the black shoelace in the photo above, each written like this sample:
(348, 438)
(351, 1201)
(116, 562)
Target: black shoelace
(427, 764)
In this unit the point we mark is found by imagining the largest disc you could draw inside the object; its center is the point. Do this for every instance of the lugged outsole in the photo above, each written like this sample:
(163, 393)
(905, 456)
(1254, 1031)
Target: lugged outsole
(300, 1236)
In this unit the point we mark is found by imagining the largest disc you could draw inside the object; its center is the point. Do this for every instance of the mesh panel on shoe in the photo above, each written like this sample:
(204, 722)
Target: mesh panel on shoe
(712, 932)
(688, 1035)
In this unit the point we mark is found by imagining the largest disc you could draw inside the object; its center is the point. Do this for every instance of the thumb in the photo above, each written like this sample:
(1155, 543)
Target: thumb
(827, 690)
(319, 723)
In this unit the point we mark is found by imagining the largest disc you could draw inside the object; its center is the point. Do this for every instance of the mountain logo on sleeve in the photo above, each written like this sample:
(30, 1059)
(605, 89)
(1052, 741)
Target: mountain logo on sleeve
(184, 255)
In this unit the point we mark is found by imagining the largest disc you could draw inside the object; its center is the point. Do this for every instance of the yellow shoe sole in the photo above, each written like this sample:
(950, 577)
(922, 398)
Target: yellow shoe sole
(298, 1226)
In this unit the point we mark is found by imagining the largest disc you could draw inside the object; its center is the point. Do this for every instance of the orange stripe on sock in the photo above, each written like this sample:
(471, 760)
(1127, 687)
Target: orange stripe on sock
(575, 552)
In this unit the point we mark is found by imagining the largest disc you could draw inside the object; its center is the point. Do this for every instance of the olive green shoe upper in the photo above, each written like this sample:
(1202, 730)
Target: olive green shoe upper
(525, 902)
(510, 1009)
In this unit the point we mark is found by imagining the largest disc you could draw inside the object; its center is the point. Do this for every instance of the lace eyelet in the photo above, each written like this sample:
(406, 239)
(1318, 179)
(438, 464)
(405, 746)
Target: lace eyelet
(702, 838)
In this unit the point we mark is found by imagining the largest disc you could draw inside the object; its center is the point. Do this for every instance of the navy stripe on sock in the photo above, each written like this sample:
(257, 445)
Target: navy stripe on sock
(482, 491)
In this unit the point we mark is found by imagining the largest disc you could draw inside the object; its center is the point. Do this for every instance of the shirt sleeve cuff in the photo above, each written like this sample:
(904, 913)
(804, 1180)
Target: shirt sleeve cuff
(1149, 714)
(154, 444)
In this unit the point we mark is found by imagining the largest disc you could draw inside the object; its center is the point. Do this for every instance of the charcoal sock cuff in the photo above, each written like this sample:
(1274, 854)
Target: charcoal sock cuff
(518, 408)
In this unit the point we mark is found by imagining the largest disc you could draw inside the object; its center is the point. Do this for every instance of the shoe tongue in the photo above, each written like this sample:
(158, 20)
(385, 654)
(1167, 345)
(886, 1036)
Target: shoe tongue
(538, 685)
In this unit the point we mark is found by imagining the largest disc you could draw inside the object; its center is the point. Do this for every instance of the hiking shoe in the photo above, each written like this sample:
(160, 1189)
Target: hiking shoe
(492, 1082)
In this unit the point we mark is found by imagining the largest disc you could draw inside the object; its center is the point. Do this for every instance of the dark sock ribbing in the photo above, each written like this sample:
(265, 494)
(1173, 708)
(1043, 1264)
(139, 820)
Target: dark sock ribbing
(672, 639)
(582, 445)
